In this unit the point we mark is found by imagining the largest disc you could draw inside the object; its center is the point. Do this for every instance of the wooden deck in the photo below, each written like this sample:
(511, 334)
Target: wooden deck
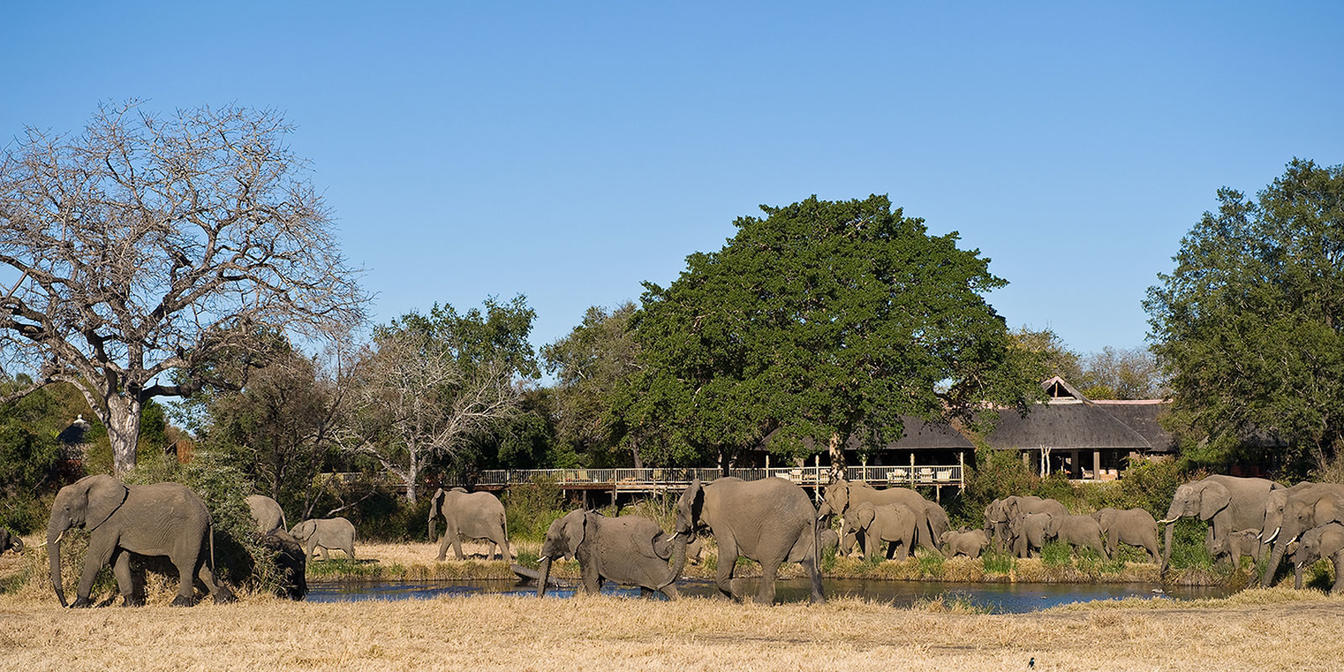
(654, 480)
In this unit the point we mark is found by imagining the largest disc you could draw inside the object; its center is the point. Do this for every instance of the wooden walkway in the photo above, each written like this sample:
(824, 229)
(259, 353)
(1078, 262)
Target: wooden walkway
(653, 480)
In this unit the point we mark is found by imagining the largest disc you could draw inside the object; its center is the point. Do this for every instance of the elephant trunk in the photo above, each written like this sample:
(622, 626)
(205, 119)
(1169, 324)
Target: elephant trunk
(431, 528)
(544, 577)
(1272, 567)
(54, 534)
(679, 554)
(1166, 546)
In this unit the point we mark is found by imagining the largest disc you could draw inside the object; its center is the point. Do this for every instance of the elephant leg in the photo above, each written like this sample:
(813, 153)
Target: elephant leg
(507, 555)
(1297, 577)
(326, 554)
(592, 580)
(670, 590)
(350, 549)
(448, 534)
(457, 547)
(1338, 561)
(765, 593)
(727, 563)
(218, 590)
(186, 560)
(645, 593)
(98, 556)
(121, 569)
(906, 551)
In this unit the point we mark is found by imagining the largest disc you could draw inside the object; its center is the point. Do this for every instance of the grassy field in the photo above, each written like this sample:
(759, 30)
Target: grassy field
(1255, 630)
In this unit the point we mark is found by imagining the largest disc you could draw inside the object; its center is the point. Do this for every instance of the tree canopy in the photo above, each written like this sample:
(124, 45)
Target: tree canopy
(1248, 324)
(819, 321)
(591, 364)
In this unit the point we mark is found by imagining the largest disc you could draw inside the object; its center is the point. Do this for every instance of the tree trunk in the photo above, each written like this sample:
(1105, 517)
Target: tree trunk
(837, 458)
(123, 431)
(414, 475)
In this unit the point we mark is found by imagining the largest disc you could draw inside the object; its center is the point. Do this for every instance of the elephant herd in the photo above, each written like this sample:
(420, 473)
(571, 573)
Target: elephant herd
(771, 521)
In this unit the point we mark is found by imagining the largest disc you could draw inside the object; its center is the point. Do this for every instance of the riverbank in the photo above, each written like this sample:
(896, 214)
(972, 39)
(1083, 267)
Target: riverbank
(416, 562)
(1254, 630)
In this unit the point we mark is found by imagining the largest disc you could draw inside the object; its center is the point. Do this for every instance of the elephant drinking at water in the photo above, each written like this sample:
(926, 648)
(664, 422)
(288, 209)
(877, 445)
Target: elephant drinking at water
(771, 521)
(630, 550)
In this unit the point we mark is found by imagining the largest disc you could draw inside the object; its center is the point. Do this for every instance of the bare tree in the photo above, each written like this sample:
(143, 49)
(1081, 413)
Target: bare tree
(417, 402)
(147, 245)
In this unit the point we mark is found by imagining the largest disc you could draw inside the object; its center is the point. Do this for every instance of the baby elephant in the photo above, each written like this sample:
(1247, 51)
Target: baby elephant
(1135, 527)
(1082, 531)
(1326, 541)
(883, 526)
(969, 543)
(1236, 545)
(10, 542)
(325, 533)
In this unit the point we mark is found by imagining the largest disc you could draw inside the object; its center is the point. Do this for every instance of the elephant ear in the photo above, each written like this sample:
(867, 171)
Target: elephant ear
(689, 506)
(1328, 510)
(1212, 499)
(1052, 524)
(864, 517)
(575, 529)
(104, 495)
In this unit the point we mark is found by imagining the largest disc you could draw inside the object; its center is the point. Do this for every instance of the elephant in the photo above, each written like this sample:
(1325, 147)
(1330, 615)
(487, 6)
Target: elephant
(1325, 541)
(1306, 506)
(1236, 545)
(474, 515)
(163, 519)
(841, 496)
(1028, 533)
(1081, 532)
(970, 543)
(267, 513)
(771, 521)
(694, 548)
(829, 540)
(291, 560)
(622, 550)
(10, 542)
(1135, 527)
(892, 524)
(1227, 503)
(325, 533)
(1000, 513)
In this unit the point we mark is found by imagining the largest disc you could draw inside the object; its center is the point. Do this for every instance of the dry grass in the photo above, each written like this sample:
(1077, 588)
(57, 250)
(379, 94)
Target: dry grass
(1259, 630)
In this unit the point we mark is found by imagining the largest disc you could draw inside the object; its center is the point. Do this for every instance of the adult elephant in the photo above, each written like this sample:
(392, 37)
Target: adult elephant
(842, 496)
(1226, 503)
(164, 519)
(771, 521)
(1135, 527)
(1307, 506)
(473, 515)
(624, 550)
(327, 534)
(1001, 512)
(1029, 532)
(890, 525)
(266, 512)
(10, 541)
(1081, 532)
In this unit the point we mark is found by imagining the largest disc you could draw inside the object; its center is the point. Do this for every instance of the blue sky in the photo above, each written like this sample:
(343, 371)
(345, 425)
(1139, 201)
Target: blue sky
(568, 151)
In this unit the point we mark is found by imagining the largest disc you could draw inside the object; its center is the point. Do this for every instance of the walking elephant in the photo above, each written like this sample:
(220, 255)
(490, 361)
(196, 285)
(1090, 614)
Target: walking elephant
(841, 496)
(889, 525)
(1307, 506)
(970, 543)
(1226, 503)
(325, 533)
(1081, 532)
(1135, 527)
(470, 515)
(1001, 512)
(1325, 541)
(771, 521)
(10, 541)
(624, 550)
(163, 519)
(267, 514)
(1028, 533)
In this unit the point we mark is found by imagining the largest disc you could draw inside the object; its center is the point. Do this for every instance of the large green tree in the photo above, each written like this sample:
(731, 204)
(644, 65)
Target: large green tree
(591, 363)
(820, 321)
(1248, 324)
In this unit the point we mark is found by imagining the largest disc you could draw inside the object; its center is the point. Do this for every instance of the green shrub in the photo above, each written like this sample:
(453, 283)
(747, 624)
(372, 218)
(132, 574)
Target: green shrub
(930, 565)
(1057, 554)
(532, 507)
(1187, 546)
(996, 563)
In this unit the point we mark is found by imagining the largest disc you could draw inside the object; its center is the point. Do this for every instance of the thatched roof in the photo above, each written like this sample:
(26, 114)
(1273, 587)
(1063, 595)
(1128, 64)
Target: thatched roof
(1141, 416)
(1065, 425)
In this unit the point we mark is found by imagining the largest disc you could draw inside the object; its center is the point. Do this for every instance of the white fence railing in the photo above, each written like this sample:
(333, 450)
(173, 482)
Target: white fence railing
(950, 474)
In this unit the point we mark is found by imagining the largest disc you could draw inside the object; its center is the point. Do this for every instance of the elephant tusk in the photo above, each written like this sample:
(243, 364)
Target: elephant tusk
(1165, 521)
(1274, 536)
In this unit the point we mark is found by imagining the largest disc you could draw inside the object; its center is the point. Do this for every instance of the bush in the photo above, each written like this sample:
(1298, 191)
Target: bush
(996, 563)
(1057, 554)
(532, 507)
(1187, 545)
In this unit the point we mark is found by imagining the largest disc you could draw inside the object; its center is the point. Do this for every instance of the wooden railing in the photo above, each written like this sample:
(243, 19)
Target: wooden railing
(650, 478)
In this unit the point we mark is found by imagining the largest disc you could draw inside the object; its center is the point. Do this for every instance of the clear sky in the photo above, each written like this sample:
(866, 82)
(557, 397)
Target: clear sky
(568, 151)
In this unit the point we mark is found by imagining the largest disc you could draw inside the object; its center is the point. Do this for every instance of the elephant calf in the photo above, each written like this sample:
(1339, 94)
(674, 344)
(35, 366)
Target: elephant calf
(10, 541)
(888, 524)
(1326, 541)
(1235, 545)
(1028, 533)
(969, 543)
(1082, 532)
(325, 533)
